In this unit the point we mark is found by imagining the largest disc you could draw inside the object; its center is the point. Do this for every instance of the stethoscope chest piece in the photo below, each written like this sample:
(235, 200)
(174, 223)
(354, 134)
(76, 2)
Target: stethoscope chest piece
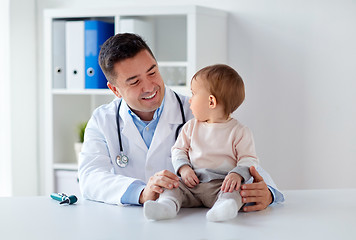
(122, 160)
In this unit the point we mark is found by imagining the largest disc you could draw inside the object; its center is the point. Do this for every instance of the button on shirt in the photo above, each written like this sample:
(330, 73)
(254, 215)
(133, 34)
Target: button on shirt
(147, 130)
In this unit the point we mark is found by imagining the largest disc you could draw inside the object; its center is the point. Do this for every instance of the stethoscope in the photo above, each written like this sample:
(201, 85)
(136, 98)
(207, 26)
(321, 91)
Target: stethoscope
(122, 160)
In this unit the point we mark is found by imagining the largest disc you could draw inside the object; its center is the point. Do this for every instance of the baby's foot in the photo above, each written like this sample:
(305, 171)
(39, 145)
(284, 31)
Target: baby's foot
(222, 210)
(155, 210)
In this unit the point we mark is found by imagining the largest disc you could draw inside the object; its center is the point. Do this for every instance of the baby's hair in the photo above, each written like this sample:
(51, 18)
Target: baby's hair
(225, 84)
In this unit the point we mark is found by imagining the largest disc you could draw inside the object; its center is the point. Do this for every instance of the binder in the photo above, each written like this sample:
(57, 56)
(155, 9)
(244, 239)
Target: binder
(96, 33)
(58, 56)
(75, 54)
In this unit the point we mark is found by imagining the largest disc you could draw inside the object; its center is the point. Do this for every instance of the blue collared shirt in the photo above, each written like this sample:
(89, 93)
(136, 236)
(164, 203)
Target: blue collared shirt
(147, 130)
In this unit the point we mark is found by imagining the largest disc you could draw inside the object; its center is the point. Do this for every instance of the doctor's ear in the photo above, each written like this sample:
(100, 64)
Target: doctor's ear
(114, 89)
(212, 101)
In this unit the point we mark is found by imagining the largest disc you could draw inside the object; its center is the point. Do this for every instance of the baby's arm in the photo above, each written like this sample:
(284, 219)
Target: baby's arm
(245, 154)
(180, 156)
(246, 157)
(188, 176)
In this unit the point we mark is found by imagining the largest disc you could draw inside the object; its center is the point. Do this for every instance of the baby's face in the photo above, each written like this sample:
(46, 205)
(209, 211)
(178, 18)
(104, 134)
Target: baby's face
(199, 102)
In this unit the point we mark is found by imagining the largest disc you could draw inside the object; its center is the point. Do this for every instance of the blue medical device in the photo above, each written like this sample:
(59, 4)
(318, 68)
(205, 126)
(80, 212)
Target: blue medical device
(63, 198)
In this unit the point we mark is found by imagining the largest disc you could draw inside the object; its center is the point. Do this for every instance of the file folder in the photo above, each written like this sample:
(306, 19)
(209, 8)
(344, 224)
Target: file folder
(75, 54)
(96, 33)
(58, 50)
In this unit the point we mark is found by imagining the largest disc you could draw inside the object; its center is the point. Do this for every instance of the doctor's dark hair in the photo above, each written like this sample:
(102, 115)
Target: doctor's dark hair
(118, 48)
(225, 84)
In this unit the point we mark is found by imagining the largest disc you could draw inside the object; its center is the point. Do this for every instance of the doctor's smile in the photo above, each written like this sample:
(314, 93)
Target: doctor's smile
(150, 97)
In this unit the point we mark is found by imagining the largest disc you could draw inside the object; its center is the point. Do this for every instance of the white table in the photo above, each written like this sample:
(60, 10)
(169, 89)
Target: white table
(306, 214)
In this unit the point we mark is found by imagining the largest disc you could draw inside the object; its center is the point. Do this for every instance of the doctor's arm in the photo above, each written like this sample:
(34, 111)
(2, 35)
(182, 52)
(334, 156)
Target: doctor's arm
(259, 192)
(96, 177)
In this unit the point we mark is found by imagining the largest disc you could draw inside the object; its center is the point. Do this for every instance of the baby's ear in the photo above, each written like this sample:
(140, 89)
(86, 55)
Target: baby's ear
(212, 101)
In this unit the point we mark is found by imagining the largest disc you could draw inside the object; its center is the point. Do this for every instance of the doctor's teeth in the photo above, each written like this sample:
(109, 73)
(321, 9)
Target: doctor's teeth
(149, 97)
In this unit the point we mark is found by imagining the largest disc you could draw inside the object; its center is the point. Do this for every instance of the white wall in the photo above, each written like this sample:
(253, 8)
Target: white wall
(298, 62)
(298, 59)
(18, 159)
(5, 135)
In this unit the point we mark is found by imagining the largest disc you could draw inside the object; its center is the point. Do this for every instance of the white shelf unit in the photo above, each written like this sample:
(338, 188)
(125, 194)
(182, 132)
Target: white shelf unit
(183, 39)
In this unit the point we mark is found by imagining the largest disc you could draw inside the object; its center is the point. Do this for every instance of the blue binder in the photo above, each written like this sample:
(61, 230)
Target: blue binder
(96, 33)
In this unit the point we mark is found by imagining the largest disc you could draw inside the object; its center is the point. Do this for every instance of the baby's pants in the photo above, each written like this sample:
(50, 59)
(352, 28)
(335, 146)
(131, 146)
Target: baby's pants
(203, 194)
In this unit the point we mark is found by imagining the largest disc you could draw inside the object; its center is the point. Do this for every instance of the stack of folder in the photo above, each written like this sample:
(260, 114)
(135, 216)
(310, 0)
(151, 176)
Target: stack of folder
(76, 47)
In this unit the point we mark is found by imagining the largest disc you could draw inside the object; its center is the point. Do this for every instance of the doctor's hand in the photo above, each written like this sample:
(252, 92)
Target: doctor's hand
(188, 176)
(256, 192)
(156, 183)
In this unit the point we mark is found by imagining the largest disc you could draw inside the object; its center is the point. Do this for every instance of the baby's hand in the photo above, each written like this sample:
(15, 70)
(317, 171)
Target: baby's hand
(231, 182)
(188, 176)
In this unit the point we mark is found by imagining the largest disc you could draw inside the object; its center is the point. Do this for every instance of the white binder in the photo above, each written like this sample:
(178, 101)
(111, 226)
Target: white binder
(75, 77)
(58, 49)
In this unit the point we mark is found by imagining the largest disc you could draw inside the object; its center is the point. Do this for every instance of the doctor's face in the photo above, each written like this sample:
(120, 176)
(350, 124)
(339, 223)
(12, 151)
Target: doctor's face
(140, 84)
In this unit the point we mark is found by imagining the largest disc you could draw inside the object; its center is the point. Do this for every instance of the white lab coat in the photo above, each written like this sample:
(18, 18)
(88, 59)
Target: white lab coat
(100, 178)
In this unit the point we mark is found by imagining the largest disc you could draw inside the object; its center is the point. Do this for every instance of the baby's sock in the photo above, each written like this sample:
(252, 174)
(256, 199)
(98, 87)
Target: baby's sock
(223, 210)
(160, 209)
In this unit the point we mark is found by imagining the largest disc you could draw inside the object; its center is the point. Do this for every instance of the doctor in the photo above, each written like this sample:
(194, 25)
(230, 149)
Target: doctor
(126, 155)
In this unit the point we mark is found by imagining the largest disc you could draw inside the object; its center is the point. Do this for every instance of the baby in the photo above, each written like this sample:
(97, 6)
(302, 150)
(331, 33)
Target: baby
(213, 152)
